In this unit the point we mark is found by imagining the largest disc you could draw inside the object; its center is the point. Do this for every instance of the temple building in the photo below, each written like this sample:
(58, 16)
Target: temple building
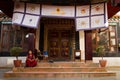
(59, 35)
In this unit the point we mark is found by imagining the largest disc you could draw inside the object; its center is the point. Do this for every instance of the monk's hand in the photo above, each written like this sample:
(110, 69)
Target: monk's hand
(32, 60)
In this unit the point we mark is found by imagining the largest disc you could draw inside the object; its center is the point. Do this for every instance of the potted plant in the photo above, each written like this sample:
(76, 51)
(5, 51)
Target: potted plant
(100, 50)
(15, 51)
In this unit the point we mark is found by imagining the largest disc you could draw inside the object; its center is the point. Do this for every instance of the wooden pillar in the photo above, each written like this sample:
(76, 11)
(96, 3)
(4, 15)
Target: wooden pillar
(41, 36)
(31, 41)
(88, 45)
(37, 37)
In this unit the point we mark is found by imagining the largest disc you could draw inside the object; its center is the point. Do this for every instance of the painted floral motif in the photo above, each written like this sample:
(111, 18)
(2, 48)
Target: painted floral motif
(54, 49)
(83, 11)
(58, 11)
(83, 23)
(97, 8)
(97, 21)
(32, 8)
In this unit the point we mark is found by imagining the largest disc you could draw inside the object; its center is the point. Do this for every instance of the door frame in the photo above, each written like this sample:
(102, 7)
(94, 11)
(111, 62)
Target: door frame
(61, 55)
(62, 24)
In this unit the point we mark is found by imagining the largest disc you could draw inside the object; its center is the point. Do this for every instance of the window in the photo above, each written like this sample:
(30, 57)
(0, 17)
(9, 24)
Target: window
(13, 36)
(109, 37)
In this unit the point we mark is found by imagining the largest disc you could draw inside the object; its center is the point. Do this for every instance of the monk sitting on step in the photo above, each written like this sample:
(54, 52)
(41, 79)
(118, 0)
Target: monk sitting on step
(30, 60)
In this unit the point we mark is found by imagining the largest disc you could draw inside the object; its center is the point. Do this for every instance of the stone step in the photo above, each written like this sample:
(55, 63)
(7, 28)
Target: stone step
(59, 69)
(67, 64)
(58, 74)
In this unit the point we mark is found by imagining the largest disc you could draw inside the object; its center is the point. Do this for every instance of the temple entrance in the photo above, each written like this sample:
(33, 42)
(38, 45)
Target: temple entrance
(59, 45)
(59, 38)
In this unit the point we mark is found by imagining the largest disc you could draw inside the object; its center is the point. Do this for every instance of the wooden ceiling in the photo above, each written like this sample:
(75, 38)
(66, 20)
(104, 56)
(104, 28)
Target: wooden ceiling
(6, 6)
(63, 2)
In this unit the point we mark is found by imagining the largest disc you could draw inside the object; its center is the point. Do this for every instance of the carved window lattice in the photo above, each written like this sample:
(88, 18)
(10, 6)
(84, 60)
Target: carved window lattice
(12, 37)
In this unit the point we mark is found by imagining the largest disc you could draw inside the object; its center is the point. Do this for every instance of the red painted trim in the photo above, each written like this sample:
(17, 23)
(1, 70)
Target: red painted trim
(112, 10)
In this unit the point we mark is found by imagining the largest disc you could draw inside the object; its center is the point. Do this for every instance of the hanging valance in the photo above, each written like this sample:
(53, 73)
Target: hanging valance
(86, 17)
(26, 14)
(58, 11)
(91, 16)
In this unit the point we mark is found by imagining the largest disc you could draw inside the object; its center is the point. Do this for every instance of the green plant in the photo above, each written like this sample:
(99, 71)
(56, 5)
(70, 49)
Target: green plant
(100, 50)
(15, 51)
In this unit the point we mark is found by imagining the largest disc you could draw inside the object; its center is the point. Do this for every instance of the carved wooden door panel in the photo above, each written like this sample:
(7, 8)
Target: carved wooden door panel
(53, 44)
(64, 46)
(58, 44)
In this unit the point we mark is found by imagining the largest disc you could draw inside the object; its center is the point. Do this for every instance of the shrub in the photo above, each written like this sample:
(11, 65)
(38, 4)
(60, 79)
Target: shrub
(15, 51)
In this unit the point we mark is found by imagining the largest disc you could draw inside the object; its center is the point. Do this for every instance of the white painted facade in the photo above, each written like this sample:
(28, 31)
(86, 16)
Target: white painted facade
(8, 61)
(111, 61)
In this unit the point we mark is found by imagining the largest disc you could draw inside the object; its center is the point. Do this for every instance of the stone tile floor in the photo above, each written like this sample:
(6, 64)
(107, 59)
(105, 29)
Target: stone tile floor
(117, 70)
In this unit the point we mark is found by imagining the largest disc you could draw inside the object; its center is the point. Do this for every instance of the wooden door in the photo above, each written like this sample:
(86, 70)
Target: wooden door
(88, 45)
(58, 44)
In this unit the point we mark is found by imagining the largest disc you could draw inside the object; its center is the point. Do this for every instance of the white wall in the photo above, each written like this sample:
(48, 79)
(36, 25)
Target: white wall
(8, 61)
(111, 61)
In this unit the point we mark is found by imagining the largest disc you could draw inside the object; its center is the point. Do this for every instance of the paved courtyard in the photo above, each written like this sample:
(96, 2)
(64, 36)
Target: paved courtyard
(117, 70)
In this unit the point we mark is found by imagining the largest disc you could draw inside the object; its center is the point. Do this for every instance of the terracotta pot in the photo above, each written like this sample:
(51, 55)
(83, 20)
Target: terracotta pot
(17, 63)
(103, 63)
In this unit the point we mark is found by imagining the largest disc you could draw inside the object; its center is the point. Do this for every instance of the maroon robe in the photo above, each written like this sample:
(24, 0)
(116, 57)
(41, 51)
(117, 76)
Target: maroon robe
(30, 61)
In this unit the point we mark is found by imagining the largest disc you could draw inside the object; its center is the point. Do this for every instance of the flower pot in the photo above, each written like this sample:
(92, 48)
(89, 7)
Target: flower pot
(103, 63)
(17, 63)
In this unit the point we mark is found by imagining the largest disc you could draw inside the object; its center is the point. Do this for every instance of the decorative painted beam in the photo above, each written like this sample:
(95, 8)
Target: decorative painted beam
(112, 10)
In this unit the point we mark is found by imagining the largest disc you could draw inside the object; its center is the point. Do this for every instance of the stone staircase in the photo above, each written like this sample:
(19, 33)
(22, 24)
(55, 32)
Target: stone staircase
(60, 69)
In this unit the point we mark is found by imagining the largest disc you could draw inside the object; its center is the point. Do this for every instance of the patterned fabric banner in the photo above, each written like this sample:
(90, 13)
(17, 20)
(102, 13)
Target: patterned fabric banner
(87, 17)
(59, 11)
(17, 18)
(26, 14)
(91, 16)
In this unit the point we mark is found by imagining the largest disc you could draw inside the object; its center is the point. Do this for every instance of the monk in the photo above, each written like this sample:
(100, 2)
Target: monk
(30, 60)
